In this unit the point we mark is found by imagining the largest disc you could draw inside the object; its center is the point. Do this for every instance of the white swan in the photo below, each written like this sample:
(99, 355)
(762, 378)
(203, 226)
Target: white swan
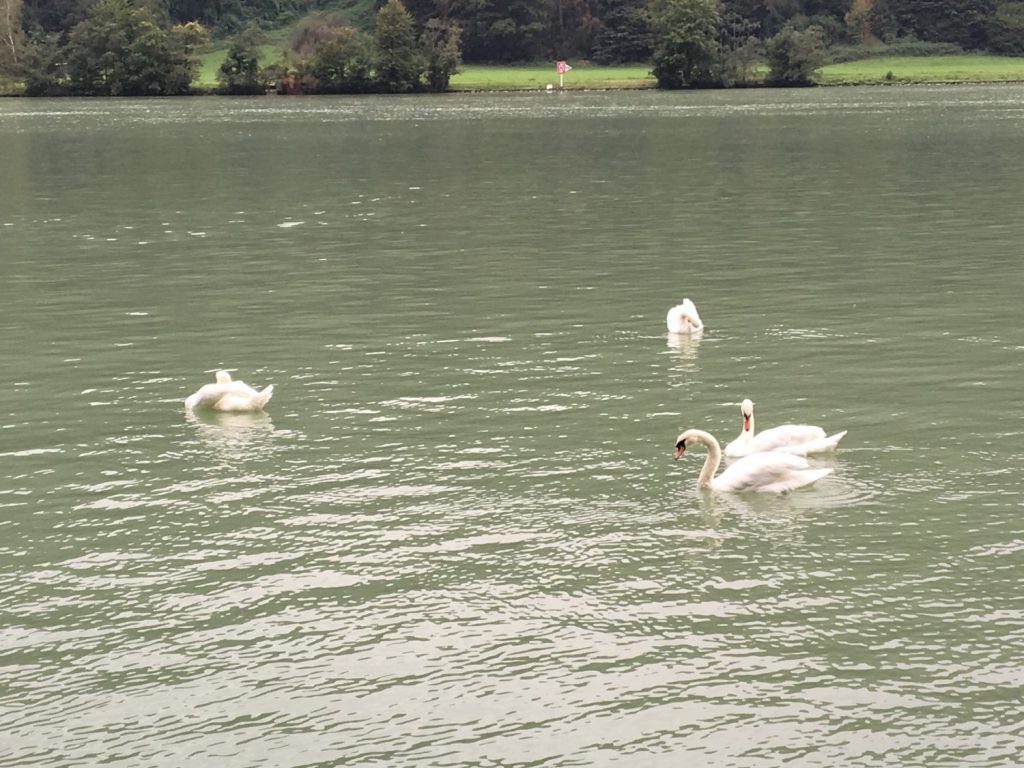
(769, 472)
(229, 396)
(683, 318)
(798, 439)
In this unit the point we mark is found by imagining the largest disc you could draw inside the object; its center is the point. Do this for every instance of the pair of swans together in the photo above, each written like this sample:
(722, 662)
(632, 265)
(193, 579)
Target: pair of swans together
(772, 461)
(229, 396)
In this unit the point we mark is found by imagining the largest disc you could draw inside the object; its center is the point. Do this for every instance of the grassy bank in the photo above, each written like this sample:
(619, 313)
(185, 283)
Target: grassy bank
(960, 68)
(210, 62)
(478, 77)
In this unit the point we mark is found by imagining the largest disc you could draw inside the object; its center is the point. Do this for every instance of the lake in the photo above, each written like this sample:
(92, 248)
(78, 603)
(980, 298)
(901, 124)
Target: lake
(457, 536)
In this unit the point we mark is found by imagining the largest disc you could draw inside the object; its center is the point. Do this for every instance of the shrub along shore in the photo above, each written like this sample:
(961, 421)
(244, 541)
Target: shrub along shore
(883, 70)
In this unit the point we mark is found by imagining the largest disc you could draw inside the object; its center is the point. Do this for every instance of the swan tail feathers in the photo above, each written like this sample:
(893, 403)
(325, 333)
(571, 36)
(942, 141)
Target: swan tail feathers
(264, 396)
(820, 445)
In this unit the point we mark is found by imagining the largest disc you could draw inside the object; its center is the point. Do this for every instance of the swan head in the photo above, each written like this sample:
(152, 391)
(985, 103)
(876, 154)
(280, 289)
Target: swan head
(223, 377)
(747, 409)
(680, 447)
(687, 437)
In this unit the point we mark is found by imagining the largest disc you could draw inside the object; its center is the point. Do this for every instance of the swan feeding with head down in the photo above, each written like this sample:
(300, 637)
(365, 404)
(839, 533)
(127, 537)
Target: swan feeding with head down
(768, 472)
(798, 439)
(683, 318)
(229, 396)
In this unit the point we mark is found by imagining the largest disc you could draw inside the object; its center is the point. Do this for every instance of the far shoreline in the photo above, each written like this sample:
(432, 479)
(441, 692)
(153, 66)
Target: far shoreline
(963, 69)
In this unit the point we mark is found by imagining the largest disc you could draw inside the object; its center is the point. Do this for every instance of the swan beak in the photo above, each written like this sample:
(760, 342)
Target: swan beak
(746, 423)
(679, 451)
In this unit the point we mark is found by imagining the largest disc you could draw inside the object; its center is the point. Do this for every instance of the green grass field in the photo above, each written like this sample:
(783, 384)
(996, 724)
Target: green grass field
(478, 77)
(211, 60)
(963, 68)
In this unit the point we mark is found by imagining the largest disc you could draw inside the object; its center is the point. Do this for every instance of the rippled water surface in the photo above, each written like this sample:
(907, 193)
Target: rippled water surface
(458, 537)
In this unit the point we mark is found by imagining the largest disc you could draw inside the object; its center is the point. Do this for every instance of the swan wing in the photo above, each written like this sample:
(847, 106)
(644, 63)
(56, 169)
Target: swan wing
(821, 445)
(795, 479)
(237, 401)
(683, 318)
(758, 471)
(784, 435)
(207, 396)
(239, 387)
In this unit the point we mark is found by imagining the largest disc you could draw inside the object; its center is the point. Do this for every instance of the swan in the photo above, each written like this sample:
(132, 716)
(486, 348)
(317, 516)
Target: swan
(229, 396)
(683, 318)
(798, 439)
(767, 472)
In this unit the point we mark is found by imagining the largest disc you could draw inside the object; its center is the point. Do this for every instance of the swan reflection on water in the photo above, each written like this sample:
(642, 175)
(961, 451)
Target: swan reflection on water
(234, 435)
(685, 344)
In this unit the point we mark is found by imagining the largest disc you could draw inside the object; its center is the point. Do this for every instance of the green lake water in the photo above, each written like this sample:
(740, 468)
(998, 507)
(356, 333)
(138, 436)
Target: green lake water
(458, 537)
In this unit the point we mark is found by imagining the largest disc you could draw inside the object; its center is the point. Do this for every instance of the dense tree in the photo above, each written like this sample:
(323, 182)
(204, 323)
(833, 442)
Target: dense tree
(399, 63)
(39, 66)
(440, 45)
(740, 49)
(685, 41)
(571, 26)
(124, 48)
(10, 34)
(793, 56)
(624, 33)
(497, 30)
(240, 72)
(49, 16)
(343, 64)
(1006, 28)
(964, 22)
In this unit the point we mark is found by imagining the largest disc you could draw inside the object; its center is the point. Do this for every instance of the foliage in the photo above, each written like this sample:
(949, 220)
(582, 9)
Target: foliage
(740, 49)
(315, 29)
(794, 55)
(686, 44)
(39, 66)
(10, 34)
(624, 33)
(399, 63)
(964, 22)
(232, 16)
(124, 48)
(240, 72)
(569, 28)
(440, 44)
(903, 47)
(500, 30)
(343, 64)
(42, 17)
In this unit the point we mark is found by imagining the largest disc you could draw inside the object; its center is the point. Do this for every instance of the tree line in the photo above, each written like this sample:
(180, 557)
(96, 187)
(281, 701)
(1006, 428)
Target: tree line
(139, 47)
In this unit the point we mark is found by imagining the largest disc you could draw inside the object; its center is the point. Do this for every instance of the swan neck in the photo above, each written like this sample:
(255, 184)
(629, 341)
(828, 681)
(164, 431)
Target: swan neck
(711, 461)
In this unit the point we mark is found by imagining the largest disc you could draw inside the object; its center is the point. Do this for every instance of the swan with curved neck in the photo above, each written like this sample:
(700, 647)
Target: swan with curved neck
(768, 472)
(683, 318)
(798, 439)
(229, 396)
